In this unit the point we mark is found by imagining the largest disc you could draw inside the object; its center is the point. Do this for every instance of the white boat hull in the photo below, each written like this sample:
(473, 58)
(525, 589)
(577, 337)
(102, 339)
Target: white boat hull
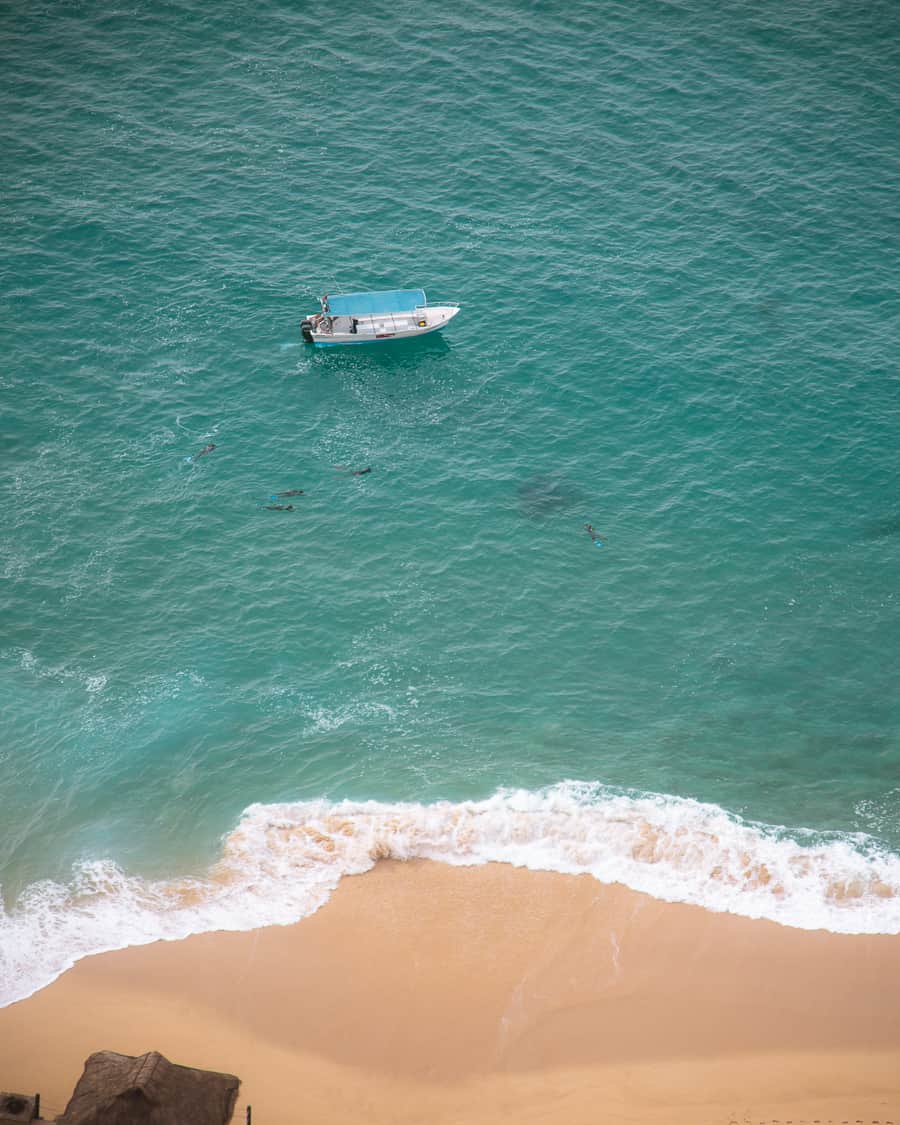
(324, 331)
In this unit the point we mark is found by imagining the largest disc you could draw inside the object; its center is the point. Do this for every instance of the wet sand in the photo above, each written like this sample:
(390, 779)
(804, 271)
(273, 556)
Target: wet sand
(422, 992)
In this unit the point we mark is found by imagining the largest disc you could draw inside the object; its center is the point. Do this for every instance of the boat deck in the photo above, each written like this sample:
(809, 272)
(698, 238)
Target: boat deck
(381, 324)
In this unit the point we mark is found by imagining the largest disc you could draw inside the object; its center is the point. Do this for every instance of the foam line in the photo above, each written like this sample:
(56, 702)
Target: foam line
(282, 862)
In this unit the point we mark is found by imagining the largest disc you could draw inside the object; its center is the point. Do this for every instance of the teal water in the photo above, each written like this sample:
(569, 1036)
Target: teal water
(674, 235)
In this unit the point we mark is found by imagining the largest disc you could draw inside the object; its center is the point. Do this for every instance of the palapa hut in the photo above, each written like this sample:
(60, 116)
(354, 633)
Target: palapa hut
(123, 1090)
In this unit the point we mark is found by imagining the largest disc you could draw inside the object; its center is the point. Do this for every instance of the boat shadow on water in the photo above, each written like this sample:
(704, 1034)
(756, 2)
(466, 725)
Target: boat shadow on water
(397, 355)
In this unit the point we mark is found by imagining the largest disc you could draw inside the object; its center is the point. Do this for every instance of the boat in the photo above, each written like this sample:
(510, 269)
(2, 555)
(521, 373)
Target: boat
(368, 318)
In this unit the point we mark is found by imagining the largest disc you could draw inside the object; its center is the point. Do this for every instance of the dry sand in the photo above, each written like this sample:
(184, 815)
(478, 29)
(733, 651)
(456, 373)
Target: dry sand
(426, 993)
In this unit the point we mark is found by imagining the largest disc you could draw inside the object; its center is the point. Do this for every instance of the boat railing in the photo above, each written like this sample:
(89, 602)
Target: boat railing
(395, 320)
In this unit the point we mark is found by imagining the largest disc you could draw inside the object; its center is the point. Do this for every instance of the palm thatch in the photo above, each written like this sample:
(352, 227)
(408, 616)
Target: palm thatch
(149, 1090)
(17, 1107)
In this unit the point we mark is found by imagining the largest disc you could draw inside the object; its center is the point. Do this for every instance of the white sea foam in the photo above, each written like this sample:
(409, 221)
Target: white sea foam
(325, 719)
(282, 862)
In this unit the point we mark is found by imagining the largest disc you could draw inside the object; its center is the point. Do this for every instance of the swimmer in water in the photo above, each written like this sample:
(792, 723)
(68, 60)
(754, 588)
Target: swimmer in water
(593, 534)
(353, 472)
(206, 449)
(290, 492)
(279, 507)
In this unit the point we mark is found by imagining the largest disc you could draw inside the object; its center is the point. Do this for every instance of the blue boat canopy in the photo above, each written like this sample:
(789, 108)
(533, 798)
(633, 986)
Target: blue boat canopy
(370, 304)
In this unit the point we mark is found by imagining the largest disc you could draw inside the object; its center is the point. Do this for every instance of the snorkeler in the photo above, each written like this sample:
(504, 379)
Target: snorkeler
(290, 492)
(353, 472)
(202, 453)
(279, 507)
(595, 536)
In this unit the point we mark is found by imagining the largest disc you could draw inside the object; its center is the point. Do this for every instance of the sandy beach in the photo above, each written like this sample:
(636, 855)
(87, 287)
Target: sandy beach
(423, 992)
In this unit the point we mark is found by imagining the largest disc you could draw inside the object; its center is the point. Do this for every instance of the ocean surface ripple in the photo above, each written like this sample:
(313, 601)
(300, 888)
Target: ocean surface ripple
(674, 235)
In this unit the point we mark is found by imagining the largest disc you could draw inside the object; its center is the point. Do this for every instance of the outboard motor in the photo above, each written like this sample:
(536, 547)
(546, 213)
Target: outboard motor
(306, 331)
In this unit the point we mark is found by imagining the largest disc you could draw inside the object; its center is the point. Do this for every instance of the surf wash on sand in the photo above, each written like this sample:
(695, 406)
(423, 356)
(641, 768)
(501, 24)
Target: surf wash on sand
(282, 862)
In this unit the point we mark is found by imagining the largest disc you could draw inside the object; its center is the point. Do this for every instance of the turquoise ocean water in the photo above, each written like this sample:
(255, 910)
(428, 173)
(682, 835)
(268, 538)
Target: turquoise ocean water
(673, 229)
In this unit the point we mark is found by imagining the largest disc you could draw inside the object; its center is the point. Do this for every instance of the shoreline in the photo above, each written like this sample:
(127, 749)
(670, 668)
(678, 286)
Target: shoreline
(422, 991)
(282, 862)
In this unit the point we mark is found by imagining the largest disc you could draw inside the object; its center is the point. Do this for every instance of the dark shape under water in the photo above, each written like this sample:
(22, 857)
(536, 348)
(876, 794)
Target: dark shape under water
(546, 495)
(882, 528)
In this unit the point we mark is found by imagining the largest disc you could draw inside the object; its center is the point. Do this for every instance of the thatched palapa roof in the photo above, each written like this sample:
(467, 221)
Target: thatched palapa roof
(149, 1090)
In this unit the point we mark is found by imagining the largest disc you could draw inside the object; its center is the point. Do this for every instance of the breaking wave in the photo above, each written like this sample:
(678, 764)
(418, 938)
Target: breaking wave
(282, 862)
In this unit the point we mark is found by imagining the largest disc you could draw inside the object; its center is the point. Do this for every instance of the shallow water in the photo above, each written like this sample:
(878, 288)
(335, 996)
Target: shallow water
(674, 236)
